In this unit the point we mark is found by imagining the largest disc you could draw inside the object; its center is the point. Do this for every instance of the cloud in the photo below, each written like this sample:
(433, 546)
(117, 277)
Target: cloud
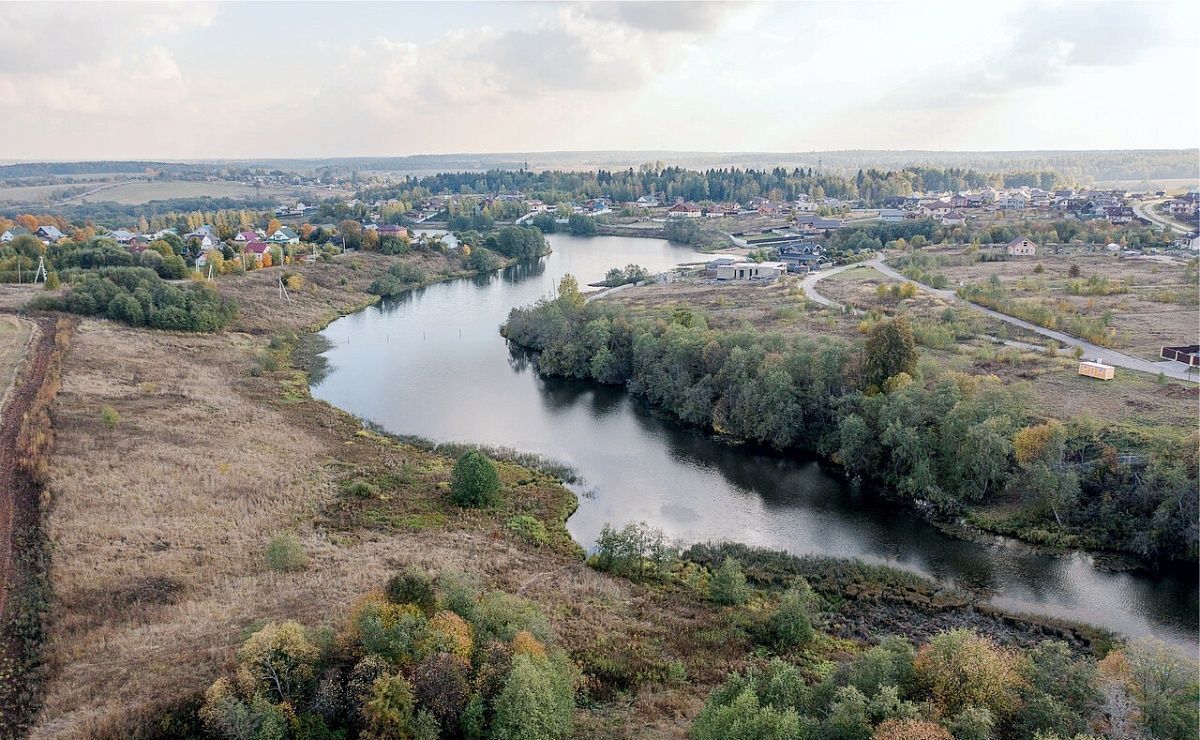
(44, 38)
(665, 17)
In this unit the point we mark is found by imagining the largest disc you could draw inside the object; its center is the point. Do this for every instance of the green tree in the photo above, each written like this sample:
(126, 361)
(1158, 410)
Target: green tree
(791, 624)
(728, 584)
(537, 700)
(475, 483)
(890, 350)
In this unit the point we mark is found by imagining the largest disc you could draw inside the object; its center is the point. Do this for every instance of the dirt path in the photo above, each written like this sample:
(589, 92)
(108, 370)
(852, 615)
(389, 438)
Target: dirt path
(20, 537)
(19, 396)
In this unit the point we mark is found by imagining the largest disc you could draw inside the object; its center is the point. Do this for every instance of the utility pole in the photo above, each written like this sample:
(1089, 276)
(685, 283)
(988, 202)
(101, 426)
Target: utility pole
(283, 292)
(41, 270)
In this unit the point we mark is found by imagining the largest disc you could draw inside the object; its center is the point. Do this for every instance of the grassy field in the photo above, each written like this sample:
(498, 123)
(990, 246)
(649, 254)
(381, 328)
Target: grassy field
(138, 191)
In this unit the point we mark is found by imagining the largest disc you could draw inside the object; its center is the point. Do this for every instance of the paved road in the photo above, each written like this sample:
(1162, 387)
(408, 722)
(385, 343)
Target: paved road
(1145, 209)
(1175, 370)
(809, 284)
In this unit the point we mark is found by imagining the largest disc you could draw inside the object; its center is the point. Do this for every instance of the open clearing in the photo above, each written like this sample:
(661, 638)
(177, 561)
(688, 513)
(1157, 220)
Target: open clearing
(140, 191)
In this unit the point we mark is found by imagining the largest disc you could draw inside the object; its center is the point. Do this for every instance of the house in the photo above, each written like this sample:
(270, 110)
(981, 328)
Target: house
(716, 264)
(13, 233)
(1118, 214)
(255, 251)
(684, 210)
(121, 236)
(1184, 205)
(1097, 370)
(751, 271)
(245, 237)
(1014, 201)
(392, 230)
(284, 236)
(954, 218)
(937, 209)
(801, 256)
(891, 215)
(821, 224)
(201, 232)
(647, 201)
(163, 232)
(50, 234)
(1021, 247)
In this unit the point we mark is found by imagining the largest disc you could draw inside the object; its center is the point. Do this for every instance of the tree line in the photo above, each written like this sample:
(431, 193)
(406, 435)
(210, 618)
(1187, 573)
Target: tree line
(951, 441)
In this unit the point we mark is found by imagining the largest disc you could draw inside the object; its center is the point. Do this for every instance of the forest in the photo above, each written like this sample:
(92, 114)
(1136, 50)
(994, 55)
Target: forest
(946, 441)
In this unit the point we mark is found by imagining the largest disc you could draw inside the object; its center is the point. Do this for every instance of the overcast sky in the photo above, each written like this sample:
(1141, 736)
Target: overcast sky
(94, 80)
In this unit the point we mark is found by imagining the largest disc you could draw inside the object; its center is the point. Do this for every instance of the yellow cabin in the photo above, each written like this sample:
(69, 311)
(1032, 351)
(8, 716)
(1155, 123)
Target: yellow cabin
(1097, 370)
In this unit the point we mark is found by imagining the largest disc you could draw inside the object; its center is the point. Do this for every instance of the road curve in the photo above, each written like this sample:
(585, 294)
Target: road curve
(809, 284)
(1108, 356)
(1145, 209)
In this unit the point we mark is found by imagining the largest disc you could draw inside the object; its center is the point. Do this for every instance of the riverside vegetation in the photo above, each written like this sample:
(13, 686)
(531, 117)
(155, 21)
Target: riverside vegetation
(948, 441)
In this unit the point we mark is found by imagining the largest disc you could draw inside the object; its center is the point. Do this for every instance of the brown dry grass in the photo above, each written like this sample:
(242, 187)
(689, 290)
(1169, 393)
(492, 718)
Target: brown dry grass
(1144, 319)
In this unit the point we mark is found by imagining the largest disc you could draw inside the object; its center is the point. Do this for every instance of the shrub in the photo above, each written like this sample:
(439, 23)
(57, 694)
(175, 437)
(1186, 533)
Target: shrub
(361, 488)
(910, 729)
(286, 554)
(791, 624)
(959, 669)
(528, 528)
(441, 684)
(475, 482)
(460, 594)
(890, 663)
(109, 417)
(744, 718)
(632, 550)
(972, 723)
(728, 585)
(53, 282)
(413, 587)
(278, 661)
(500, 616)
(398, 632)
(537, 701)
(453, 633)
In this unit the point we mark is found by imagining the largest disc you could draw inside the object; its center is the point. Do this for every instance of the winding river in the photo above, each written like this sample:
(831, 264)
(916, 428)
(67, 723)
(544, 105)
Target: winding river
(431, 363)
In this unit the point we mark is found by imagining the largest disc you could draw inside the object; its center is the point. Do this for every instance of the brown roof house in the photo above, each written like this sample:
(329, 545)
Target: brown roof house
(1021, 247)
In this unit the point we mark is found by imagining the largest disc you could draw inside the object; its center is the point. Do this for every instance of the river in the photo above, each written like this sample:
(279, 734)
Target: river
(432, 363)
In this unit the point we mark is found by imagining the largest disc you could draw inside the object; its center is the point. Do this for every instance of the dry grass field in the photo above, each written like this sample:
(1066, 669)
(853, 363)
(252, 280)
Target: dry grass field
(141, 191)
(178, 458)
(1159, 303)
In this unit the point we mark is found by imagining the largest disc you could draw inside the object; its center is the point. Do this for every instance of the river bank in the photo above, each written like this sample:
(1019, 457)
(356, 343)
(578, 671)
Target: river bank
(161, 517)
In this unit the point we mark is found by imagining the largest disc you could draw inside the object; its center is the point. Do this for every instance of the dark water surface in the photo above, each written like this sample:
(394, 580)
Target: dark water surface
(432, 363)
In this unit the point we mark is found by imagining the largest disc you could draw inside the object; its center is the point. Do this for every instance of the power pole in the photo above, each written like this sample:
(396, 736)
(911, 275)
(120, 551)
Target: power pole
(41, 270)
(283, 292)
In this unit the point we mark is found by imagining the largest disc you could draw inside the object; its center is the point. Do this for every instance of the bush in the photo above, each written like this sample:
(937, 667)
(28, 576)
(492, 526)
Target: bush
(744, 718)
(286, 554)
(528, 528)
(109, 417)
(728, 585)
(398, 279)
(413, 587)
(138, 296)
(361, 488)
(537, 701)
(475, 483)
(791, 624)
(633, 551)
(959, 669)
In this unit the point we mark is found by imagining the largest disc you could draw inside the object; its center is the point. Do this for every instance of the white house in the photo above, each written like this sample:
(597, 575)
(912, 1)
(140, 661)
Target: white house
(284, 236)
(751, 271)
(891, 215)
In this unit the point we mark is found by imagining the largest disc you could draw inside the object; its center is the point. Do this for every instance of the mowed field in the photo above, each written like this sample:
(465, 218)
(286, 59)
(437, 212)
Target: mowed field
(136, 192)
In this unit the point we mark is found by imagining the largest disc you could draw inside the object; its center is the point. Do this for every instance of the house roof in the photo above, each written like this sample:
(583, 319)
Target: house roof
(256, 247)
(1019, 240)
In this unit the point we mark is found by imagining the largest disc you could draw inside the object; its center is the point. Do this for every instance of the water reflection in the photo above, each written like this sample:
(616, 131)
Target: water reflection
(431, 363)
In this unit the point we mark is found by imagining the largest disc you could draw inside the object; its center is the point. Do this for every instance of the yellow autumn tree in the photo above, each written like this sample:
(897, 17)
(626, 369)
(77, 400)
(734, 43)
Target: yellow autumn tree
(1040, 443)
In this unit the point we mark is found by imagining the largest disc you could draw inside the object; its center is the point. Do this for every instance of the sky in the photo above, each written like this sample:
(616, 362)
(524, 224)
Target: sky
(255, 80)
